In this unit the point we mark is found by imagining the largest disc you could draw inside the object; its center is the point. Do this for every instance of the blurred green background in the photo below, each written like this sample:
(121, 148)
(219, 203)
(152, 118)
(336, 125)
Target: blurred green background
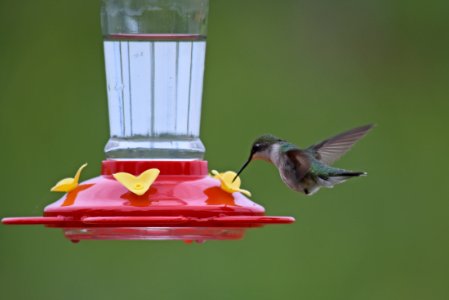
(303, 70)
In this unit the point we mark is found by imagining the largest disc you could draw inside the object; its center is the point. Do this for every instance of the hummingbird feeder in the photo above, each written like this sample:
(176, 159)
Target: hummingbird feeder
(154, 184)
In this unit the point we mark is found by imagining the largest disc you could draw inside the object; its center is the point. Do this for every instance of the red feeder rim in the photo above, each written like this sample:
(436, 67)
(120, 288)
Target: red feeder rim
(184, 203)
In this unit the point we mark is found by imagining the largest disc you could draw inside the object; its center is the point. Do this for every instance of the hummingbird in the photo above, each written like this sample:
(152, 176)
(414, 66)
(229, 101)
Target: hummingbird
(307, 170)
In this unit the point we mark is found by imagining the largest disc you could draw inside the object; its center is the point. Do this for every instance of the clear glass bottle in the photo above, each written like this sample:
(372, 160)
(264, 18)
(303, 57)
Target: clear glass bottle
(154, 57)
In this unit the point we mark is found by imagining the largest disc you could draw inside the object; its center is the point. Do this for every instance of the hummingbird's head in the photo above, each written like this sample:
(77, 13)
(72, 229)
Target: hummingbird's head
(260, 149)
(262, 146)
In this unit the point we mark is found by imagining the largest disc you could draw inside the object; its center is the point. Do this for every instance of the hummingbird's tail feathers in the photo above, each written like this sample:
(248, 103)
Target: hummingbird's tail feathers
(330, 150)
(340, 176)
(331, 181)
(348, 174)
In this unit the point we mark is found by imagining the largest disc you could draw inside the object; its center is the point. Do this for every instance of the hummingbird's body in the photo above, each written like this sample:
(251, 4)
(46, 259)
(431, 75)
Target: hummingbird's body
(307, 170)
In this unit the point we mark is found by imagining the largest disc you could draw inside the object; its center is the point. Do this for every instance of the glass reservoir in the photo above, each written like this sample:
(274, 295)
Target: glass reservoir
(154, 59)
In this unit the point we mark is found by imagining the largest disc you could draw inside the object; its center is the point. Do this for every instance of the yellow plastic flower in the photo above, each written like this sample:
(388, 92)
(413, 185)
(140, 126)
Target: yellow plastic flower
(68, 184)
(227, 185)
(138, 185)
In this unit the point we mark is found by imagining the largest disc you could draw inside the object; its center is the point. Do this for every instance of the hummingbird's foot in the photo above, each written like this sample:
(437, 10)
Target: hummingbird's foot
(306, 191)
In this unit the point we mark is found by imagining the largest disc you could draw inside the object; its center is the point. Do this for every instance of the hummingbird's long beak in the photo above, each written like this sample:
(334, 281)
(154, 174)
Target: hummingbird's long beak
(243, 167)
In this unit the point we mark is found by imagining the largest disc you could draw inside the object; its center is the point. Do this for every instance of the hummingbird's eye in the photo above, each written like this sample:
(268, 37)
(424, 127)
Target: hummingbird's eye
(257, 147)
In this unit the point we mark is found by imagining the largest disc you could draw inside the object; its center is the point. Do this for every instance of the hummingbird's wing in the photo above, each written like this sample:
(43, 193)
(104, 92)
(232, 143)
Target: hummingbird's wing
(297, 164)
(330, 150)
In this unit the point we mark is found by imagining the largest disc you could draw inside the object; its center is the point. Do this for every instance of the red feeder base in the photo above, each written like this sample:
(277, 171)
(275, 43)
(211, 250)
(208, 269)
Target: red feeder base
(184, 203)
